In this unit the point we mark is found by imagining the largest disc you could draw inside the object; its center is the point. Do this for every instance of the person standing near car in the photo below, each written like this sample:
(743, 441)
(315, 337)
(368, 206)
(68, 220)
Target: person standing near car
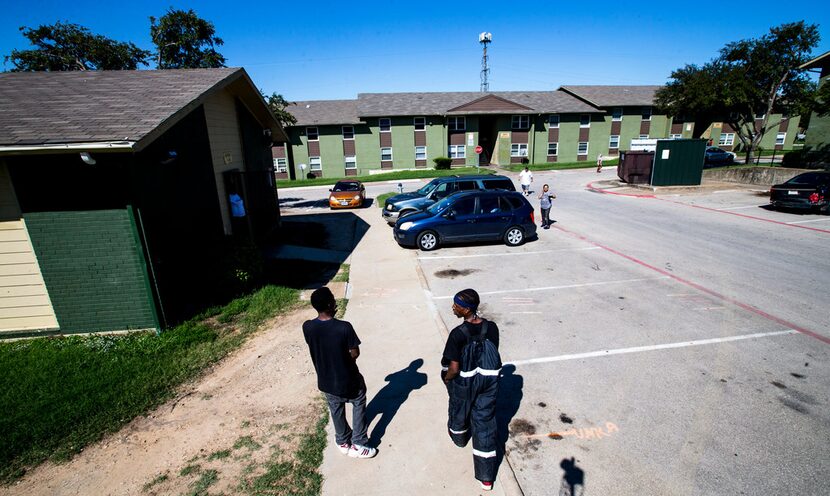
(334, 348)
(525, 178)
(470, 368)
(545, 204)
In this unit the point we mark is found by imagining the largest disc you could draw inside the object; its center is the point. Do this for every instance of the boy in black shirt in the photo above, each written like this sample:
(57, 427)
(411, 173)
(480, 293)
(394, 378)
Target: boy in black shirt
(334, 349)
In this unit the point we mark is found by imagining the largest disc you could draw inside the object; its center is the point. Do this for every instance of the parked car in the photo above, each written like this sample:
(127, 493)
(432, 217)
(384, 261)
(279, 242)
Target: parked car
(467, 216)
(810, 190)
(403, 204)
(347, 194)
(718, 156)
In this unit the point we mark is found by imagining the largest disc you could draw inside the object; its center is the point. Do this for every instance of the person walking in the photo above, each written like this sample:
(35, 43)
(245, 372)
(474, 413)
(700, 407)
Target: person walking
(545, 203)
(470, 368)
(599, 163)
(525, 178)
(334, 348)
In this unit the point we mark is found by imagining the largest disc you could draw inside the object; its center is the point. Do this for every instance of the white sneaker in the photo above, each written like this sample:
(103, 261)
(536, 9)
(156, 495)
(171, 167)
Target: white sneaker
(362, 451)
(344, 448)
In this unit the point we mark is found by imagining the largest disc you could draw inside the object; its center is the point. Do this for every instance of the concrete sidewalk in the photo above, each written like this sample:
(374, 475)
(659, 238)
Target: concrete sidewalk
(403, 338)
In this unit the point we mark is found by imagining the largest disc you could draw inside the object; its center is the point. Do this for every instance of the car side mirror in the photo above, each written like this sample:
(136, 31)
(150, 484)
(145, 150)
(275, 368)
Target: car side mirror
(329, 190)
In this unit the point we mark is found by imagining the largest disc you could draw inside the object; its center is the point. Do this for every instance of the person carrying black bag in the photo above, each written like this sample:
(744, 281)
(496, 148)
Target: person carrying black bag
(470, 368)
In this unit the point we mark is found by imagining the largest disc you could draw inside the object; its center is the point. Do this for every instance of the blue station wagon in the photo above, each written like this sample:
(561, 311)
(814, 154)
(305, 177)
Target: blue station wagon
(468, 216)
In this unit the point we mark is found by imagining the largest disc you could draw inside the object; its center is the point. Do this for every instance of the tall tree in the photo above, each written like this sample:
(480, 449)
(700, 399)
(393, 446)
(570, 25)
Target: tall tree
(185, 41)
(70, 47)
(278, 106)
(750, 78)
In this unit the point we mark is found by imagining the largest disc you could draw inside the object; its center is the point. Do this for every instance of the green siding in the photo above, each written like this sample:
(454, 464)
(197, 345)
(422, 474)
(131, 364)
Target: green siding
(94, 269)
(540, 138)
(600, 134)
(367, 148)
(568, 137)
(436, 139)
(331, 151)
(818, 134)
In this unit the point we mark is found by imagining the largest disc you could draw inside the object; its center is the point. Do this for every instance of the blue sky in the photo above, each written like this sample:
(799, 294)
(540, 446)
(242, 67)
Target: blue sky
(321, 50)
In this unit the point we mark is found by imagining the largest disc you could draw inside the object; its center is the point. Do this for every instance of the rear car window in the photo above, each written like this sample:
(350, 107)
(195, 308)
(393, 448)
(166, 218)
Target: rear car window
(490, 204)
(808, 178)
(514, 201)
(502, 183)
(466, 185)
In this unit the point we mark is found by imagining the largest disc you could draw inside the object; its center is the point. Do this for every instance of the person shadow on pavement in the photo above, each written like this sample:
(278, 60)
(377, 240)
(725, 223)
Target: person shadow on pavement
(507, 405)
(390, 398)
(573, 480)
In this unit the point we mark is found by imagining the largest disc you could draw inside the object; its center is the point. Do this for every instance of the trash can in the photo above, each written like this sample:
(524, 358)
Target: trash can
(635, 167)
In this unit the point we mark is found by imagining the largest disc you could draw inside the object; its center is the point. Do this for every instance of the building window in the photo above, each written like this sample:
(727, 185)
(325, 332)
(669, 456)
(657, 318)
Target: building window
(420, 123)
(677, 136)
(614, 141)
(585, 120)
(420, 153)
(348, 132)
(521, 122)
(726, 139)
(458, 151)
(351, 162)
(386, 154)
(312, 133)
(456, 123)
(315, 164)
(280, 165)
(646, 113)
(385, 124)
(780, 138)
(582, 148)
(518, 150)
(616, 114)
(553, 148)
(553, 120)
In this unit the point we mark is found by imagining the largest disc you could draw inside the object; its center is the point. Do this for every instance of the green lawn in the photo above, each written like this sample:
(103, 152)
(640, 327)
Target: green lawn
(389, 176)
(60, 394)
(560, 165)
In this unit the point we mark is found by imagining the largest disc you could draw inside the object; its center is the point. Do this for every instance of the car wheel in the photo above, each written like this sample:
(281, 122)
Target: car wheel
(427, 240)
(514, 236)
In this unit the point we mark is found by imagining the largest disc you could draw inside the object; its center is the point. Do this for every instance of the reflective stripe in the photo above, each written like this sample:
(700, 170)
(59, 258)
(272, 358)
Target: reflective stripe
(484, 454)
(479, 370)
(458, 432)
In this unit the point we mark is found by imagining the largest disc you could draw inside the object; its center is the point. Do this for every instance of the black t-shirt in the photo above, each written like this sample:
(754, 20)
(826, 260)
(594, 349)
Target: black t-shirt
(329, 342)
(456, 341)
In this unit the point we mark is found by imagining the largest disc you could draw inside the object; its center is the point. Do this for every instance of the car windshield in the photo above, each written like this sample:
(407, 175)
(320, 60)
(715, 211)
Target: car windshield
(440, 206)
(427, 188)
(346, 187)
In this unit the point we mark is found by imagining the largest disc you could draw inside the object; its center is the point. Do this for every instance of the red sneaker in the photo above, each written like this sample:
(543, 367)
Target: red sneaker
(487, 485)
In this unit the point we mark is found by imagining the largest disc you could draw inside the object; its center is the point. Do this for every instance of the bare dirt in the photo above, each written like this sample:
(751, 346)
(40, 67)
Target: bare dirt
(245, 412)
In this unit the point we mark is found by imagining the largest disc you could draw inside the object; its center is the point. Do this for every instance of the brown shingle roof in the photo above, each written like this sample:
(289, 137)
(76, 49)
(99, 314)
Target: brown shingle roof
(43, 108)
(609, 96)
(322, 112)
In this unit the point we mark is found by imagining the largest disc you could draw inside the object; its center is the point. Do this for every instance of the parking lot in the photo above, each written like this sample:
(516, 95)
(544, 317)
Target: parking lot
(675, 344)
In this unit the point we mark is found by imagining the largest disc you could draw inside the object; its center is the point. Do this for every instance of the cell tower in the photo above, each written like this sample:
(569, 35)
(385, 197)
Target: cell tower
(484, 39)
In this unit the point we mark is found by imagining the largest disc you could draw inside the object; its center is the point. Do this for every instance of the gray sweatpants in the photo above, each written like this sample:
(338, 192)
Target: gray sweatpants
(344, 433)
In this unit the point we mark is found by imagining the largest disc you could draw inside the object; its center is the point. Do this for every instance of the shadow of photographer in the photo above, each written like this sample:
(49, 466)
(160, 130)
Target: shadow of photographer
(389, 399)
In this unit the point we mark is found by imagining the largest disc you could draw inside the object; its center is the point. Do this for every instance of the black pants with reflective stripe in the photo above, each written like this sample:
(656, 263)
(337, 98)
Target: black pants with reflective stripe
(472, 415)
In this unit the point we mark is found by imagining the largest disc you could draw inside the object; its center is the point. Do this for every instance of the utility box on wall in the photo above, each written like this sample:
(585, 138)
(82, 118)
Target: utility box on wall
(678, 162)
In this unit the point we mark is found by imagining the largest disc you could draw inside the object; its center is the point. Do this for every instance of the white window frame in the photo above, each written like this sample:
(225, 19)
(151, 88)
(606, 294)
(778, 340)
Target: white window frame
(315, 164)
(614, 144)
(780, 138)
(726, 139)
(518, 149)
(388, 125)
(457, 151)
(390, 154)
(424, 153)
(281, 164)
(316, 134)
(454, 121)
(350, 164)
(581, 119)
(614, 116)
(345, 137)
(520, 122)
(555, 148)
(675, 136)
(553, 121)
(645, 113)
(423, 123)
(579, 144)
(643, 136)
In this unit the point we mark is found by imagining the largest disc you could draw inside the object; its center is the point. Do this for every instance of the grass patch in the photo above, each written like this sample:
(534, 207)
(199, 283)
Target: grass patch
(246, 442)
(60, 394)
(389, 176)
(343, 274)
(219, 455)
(190, 469)
(158, 480)
(207, 479)
(561, 165)
(381, 199)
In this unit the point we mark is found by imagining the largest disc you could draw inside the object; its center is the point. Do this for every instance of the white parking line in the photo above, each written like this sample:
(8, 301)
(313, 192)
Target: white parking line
(568, 286)
(637, 349)
(427, 257)
(806, 221)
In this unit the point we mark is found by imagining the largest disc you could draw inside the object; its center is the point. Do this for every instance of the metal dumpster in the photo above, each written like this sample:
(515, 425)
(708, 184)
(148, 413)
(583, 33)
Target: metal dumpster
(635, 167)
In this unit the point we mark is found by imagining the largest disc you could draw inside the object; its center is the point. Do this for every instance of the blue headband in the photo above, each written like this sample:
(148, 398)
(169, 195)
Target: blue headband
(461, 303)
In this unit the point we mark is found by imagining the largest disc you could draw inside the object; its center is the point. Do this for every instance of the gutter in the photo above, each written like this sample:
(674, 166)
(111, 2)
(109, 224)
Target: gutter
(69, 147)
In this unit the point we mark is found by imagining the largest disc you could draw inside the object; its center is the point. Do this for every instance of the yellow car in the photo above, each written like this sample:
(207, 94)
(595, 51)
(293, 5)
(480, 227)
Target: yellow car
(347, 194)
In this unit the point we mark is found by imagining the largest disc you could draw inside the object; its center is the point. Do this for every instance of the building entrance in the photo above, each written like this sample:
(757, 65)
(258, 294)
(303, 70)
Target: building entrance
(487, 134)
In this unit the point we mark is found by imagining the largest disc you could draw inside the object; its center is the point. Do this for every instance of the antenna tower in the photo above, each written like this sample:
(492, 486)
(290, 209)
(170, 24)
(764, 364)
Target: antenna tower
(484, 39)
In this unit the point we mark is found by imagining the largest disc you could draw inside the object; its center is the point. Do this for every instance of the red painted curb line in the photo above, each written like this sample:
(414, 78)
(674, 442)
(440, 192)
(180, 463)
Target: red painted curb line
(593, 188)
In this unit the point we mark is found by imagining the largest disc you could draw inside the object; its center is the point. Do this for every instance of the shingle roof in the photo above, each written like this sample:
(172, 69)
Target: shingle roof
(819, 62)
(321, 112)
(608, 96)
(43, 108)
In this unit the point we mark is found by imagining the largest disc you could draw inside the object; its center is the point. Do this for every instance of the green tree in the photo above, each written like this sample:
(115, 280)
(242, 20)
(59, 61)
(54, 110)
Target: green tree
(278, 106)
(70, 47)
(185, 41)
(754, 77)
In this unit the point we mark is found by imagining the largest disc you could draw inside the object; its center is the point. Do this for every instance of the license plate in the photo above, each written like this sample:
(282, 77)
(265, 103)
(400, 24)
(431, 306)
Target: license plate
(792, 192)
(344, 202)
